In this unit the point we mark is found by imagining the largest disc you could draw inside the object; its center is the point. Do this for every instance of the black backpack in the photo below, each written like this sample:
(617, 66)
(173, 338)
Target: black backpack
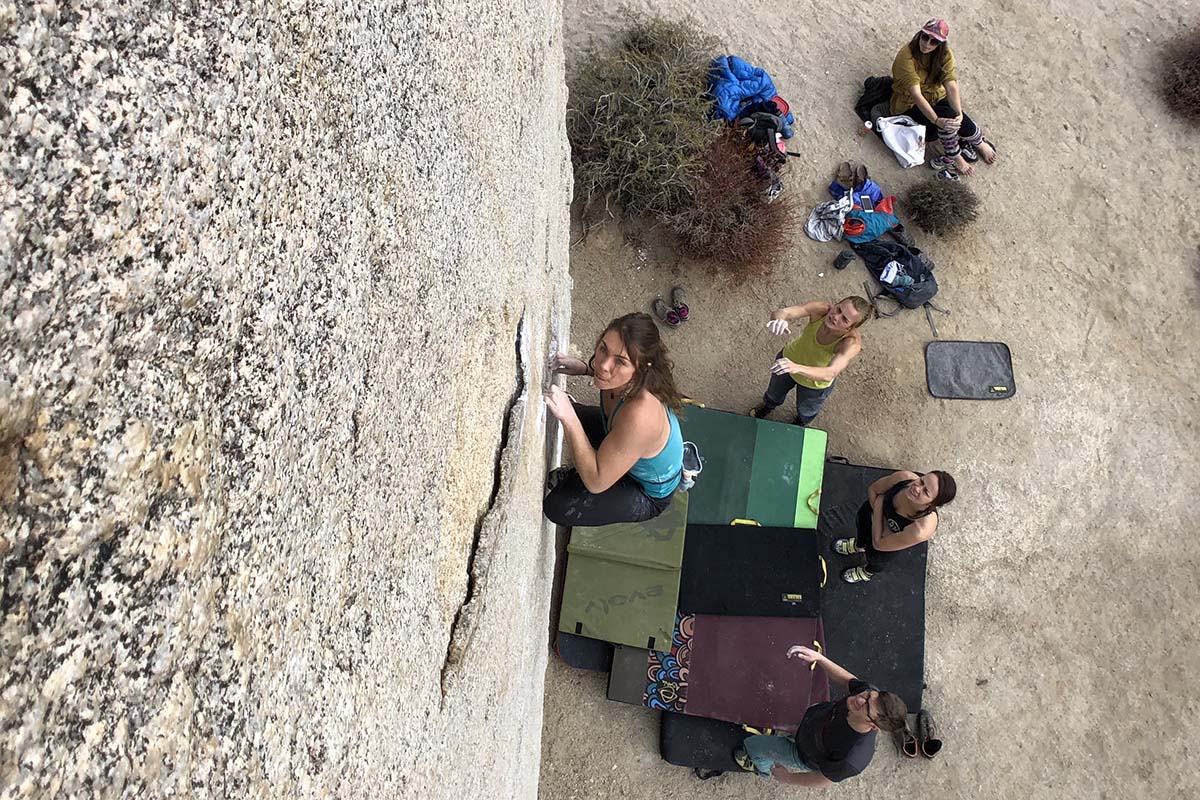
(912, 262)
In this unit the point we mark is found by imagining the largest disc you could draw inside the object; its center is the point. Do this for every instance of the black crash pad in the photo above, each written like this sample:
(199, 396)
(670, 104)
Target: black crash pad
(750, 571)
(875, 630)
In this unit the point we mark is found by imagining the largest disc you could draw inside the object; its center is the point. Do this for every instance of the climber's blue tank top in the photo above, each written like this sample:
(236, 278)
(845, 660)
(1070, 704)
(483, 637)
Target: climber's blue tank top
(660, 474)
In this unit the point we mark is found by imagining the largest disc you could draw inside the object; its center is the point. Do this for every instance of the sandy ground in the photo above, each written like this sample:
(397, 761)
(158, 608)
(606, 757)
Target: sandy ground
(1062, 594)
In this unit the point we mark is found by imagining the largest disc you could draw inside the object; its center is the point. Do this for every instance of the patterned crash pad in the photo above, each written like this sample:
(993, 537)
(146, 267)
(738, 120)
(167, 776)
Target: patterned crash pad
(730, 668)
(622, 581)
(769, 472)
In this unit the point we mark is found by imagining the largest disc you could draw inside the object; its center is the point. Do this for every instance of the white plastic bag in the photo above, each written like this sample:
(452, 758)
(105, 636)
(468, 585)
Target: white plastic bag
(905, 138)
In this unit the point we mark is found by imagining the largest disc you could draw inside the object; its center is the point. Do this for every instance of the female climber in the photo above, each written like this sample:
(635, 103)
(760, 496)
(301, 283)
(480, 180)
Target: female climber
(900, 512)
(628, 451)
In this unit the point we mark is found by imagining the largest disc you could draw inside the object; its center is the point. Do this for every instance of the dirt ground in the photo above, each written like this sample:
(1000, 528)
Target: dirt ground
(1062, 596)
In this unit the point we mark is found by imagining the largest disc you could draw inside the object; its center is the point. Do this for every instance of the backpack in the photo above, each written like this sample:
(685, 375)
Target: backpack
(910, 262)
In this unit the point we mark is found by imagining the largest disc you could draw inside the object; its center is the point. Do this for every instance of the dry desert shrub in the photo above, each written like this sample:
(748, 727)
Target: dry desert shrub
(729, 219)
(1180, 83)
(942, 207)
(638, 117)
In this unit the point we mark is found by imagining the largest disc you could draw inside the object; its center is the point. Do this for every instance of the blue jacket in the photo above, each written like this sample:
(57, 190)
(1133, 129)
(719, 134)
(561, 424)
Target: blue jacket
(735, 83)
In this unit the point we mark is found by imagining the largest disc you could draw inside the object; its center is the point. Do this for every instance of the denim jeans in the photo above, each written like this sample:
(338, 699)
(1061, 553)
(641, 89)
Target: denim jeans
(808, 400)
(768, 751)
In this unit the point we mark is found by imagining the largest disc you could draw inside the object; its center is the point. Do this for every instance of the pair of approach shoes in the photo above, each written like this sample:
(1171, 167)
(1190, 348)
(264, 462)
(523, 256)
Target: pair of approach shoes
(926, 742)
(946, 171)
(675, 314)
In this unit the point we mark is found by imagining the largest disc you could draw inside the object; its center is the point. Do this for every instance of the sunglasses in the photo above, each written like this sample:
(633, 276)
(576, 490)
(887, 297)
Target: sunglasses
(925, 37)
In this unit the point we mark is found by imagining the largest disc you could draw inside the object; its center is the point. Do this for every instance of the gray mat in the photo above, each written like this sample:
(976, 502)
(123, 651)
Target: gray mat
(969, 370)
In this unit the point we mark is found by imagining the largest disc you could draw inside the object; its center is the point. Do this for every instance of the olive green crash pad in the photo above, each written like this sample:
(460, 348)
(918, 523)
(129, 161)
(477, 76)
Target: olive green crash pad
(754, 469)
(622, 581)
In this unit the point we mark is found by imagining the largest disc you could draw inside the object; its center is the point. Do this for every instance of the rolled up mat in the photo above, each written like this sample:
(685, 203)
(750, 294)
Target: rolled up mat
(969, 370)
(769, 472)
(749, 571)
(876, 630)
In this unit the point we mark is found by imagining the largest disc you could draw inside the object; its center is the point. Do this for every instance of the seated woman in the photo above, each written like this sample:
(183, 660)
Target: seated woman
(900, 512)
(925, 87)
(628, 452)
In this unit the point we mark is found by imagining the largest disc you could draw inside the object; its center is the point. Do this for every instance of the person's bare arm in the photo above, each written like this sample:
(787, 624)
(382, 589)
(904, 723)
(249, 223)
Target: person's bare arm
(915, 532)
(955, 98)
(836, 673)
(813, 780)
(625, 443)
(923, 105)
(813, 309)
(879, 487)
(847, 349)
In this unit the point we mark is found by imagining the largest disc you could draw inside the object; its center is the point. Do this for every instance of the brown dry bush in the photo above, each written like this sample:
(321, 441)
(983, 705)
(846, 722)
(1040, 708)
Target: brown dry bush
(638, 116)
(942, 207)
(729, 218)
(1180, 85)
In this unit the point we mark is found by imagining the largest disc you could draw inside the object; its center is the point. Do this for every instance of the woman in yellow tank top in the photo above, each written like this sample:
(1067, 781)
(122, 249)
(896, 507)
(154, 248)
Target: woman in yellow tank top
(811, 362)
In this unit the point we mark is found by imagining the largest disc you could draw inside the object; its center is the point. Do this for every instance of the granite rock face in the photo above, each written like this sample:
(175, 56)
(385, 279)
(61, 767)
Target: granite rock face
(279, 281)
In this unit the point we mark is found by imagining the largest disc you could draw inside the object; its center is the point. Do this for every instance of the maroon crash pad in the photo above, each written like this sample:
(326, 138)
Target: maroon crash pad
(740, 672)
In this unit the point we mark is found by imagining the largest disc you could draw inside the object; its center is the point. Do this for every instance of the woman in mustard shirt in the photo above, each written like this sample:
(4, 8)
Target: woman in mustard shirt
(812, 361)
(925, 87)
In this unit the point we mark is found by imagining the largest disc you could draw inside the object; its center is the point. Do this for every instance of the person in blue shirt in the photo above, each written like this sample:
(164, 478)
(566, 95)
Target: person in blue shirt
(627, 451)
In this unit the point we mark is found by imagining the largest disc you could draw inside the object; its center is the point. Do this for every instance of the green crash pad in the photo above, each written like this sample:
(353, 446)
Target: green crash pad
(622, 581)
(754, 469)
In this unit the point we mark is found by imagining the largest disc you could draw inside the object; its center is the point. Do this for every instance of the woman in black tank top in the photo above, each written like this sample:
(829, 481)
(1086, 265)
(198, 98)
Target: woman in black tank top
(900, 513)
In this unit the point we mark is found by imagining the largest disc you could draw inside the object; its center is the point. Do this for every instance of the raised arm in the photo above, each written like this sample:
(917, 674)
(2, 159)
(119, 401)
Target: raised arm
(836, 673)
(813, 309)
(600, 469)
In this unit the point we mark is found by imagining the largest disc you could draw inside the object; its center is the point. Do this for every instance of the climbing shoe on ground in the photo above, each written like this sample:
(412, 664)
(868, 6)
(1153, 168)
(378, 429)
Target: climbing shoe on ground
(906, 741)
(759, 411)
(846, 547)
(666, 314)
(843, 259)
(927, 736)
(856, 575)
(678, 298)
(741, 758)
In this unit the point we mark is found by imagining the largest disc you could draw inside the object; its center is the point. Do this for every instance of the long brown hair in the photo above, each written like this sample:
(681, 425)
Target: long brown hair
(936, 59)
(652, 364)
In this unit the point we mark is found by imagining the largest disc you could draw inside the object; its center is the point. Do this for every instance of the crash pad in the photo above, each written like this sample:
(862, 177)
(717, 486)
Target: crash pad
(746, 570)
(769, 472)
(876, 630)
(608, 596)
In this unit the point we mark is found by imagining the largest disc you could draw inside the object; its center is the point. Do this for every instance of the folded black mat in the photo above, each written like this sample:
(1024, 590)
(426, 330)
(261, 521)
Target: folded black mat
(750, 571)
(688, 741)
(627, 679)
(876, 630)
(584, 653)
(969, 370)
